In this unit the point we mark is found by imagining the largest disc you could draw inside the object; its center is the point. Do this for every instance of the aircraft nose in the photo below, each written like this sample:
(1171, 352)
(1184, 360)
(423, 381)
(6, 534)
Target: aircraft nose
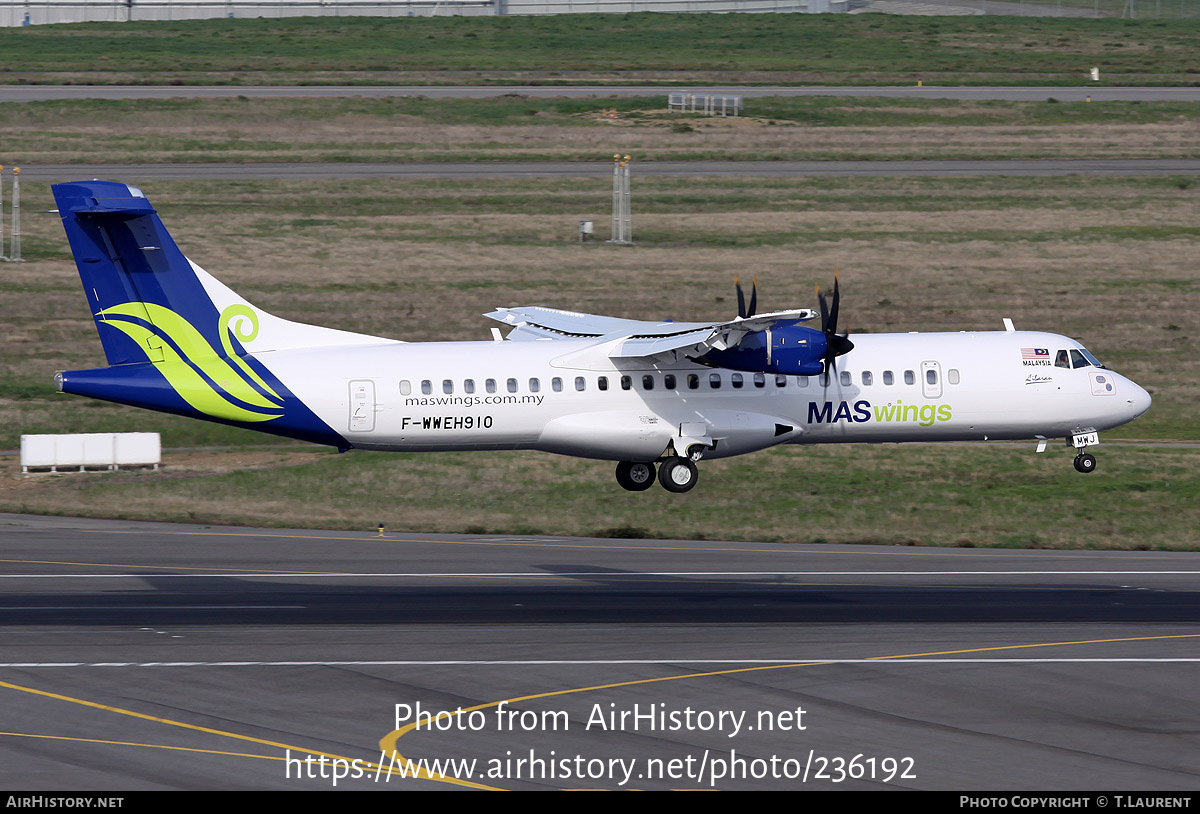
(1137, 398)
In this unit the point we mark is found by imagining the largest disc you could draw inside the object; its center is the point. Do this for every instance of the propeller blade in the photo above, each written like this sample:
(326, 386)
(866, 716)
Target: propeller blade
(835, 344)
(753, 298)
(833, 312)
(741, 297)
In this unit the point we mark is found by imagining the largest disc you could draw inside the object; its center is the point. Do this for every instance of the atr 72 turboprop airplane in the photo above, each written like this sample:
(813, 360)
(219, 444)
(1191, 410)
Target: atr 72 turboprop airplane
(646, 394)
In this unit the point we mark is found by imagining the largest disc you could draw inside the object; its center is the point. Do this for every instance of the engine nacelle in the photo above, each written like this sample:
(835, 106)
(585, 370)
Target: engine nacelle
(789, 349)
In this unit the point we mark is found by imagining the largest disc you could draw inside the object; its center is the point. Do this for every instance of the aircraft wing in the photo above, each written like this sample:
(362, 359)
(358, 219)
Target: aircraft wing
(632, 338)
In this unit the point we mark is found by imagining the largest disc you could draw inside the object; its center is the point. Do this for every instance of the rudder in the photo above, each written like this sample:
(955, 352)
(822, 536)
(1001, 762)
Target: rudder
(129, 265)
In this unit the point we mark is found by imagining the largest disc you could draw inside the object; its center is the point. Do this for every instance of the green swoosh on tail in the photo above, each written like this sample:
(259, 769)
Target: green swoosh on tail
(189, 384)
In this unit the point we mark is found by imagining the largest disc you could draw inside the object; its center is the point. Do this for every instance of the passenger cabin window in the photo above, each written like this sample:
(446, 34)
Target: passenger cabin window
(405, 387)
(952, 375)
(556, 384)
(669, 381)
(714, 381)
(931, 376)
(469, 386)
(626, 382)
(602, 383)
(781, 380)
(535, 385)
(647, 381)
(888, 378)
(845, 378)
(427, 387)
(693, 381)
(866, 378)
(580, 383)
(512, 385)
(490, 385)
(910, 377)
(823, 379)
(760, 380)
(736, 381)
(447, 386)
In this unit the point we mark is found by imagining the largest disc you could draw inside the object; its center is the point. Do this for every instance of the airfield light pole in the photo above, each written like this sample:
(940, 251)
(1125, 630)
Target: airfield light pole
(3, 256)
(622, 225)
(14, 248)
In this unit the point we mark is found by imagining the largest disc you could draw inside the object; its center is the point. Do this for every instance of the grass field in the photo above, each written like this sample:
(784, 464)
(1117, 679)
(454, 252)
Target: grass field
(765, 48)
(949, 495)
(518, 129)
(1108, 260)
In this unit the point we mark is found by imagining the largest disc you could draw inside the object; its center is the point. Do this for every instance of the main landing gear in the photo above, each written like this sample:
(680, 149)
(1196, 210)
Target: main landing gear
(1085, 462)
(635, 476)
(675, 475)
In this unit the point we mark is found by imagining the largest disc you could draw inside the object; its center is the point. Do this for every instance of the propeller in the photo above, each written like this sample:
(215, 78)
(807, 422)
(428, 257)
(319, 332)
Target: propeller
(835, 345)
(742, 311)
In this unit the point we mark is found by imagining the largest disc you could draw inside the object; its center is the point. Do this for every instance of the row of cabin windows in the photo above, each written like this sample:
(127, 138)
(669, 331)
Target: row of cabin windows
(692, 381)
(868, 378)
(489, 386)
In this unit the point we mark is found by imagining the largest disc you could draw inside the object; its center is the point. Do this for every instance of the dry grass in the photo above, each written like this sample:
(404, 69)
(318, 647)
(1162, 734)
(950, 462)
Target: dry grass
(423, 142)
(359, 130)
(1109, 261)
(949, 495)
(1125, 246)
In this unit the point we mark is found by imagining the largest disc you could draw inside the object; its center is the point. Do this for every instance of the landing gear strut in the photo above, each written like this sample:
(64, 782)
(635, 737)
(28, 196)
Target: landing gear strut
(635, 476)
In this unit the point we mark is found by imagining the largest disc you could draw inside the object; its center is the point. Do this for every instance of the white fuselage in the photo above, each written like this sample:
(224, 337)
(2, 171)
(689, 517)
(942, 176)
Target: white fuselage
(566, 396)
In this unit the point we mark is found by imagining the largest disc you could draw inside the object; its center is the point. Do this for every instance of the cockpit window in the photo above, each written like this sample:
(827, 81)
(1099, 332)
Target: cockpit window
(1091, 358)
(1077, 359)
(1062, 360)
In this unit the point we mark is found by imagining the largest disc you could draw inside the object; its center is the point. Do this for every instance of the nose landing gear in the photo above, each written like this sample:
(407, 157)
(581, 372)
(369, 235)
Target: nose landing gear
(1081, 439)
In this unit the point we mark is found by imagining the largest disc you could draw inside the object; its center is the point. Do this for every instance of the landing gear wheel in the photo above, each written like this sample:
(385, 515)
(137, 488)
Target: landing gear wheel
(635, 475)
(678, 474)
(1085, 463)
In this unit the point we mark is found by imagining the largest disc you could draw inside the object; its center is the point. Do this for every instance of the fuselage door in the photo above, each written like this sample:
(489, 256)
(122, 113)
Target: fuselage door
(362, 405)
(931, 380)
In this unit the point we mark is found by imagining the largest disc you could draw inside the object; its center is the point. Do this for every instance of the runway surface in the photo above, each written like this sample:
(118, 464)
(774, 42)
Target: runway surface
(142, 173)
(151, 656)
(1073, 93)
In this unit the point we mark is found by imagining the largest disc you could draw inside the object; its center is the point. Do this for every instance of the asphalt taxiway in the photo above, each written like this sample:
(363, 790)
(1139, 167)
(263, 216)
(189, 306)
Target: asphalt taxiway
(156, 656)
